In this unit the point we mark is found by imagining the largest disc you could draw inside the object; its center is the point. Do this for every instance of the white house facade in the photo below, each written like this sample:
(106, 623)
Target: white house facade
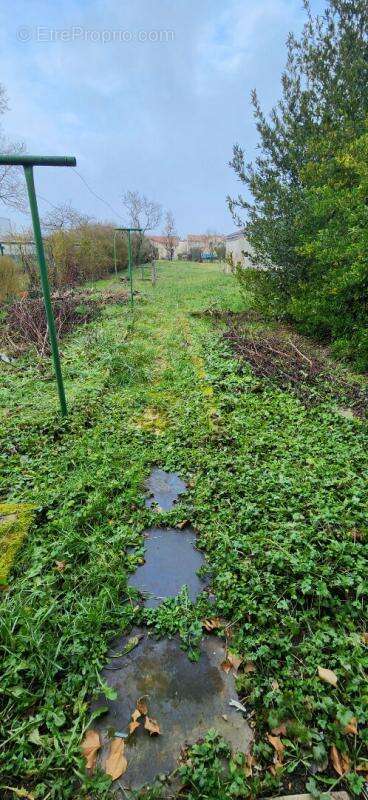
(237, 246)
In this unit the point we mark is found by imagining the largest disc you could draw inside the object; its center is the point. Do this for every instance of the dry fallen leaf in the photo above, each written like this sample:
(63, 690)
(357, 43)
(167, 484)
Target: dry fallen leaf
(250, 667)
(238, 706)
(90, 746)
(232, 662)
(152, 726)
(212, 624)
(352, 726)
(183, 524)
(279, 752)
(133, 725)
(142, 706)
(116, 762)
(327, 676)
(365, 637)
(276, 743)
(363, 767)
(340, 761)
(280, 730)
(60, 566)
(248, 764)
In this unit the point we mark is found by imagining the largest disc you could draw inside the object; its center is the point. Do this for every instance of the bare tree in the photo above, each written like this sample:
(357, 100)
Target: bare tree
(64, 217)
(170, 234)
(12, 186)
(142, 213)
(211, 239)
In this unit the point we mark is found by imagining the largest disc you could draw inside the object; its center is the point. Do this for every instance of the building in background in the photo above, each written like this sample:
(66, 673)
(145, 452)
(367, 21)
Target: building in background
(200, 246)
(203, 245)
(237, 246)
(160, 243)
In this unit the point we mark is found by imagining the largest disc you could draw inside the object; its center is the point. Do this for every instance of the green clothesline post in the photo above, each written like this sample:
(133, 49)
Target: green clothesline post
(115, 259)
(28, 162)
(130, 266)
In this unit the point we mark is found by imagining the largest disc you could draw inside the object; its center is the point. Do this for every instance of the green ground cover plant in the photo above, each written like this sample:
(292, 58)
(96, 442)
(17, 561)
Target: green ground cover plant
(277, 493)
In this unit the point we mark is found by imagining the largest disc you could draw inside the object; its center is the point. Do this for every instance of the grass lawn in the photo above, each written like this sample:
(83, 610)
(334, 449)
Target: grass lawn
(278, 496)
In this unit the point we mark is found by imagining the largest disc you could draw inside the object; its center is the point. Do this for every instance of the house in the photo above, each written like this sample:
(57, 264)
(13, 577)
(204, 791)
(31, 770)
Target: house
(160, 243)
(205, 242)
(237, 246)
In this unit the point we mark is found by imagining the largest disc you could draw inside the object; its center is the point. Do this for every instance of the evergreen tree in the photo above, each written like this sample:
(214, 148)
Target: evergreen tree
(324, 98)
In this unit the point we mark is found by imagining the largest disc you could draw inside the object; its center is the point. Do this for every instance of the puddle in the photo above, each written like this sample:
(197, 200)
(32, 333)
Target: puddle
(164, 488)
(186, 699)
(171, 562)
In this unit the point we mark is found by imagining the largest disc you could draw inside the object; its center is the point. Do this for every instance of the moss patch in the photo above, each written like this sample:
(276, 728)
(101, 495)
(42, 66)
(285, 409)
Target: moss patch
(15, 520)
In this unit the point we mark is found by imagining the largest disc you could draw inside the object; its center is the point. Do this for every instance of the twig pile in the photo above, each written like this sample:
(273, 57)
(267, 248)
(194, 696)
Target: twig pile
(26, 319)
(270, 356)
(279, 358)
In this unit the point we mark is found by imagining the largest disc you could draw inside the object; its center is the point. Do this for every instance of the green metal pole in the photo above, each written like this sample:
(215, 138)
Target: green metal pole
(28, 170)
(115, 264)
(130, 269)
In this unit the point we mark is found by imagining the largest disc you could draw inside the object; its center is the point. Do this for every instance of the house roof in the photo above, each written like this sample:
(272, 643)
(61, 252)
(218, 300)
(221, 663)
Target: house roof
(162, 239)
(205, 237)
(236, 235)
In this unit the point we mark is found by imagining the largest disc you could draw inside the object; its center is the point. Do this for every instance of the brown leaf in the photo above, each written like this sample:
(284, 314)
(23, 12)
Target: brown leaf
(136, 714)
(152, 726)
(182, 525)
(133, 725)
(60, 566)
(277, 744)
(250, 667)
(365, 637)
(233, 662)
(116, 762)
(281, 730)
(212, 624)
(327, 676)
(90, 746)
(363, 767)
(142, 706)
(248, 764)
(340, 761)
(352, 726)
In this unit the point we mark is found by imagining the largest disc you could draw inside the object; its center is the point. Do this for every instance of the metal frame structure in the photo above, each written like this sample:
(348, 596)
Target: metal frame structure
(5, 242)
(28, 162)
(130, 265)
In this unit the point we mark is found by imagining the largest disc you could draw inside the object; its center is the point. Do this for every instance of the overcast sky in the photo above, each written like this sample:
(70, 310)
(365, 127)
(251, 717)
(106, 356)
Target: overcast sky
(147, 94)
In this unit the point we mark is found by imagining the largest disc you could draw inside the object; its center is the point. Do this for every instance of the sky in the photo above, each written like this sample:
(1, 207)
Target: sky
(149, 95)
